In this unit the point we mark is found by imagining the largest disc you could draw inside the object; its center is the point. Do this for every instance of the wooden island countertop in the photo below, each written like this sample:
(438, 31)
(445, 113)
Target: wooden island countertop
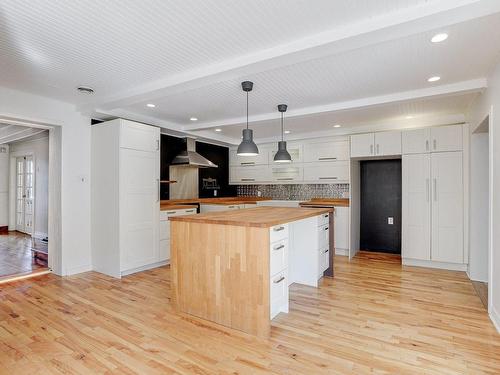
(259, 217)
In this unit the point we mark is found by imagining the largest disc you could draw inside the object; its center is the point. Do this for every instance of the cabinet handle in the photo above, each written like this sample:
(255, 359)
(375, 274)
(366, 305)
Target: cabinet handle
(324, 252)
(230, 206)
(327, 228)
(158, 184)
(279, 280)
(378, 149)
(279, 229)
(427, 145)
(285, 179)
(328, 178)
(327, 158)
(170, 212)
(435, 189)
(434, 144)
(278, 247)
(325, 215)
(248, 163)
(371, 149)
(157, 145)
(427, 189)
(248, 179)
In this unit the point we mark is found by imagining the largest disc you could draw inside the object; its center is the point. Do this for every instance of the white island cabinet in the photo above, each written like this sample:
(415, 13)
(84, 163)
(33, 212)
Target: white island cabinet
(125, 197)
(165, 214)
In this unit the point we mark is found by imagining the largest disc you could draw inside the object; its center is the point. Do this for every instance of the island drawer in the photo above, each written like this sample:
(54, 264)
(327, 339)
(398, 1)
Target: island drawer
(279, 293)
(324, 236)
(278, 232)
(323, 219)
(278, 256)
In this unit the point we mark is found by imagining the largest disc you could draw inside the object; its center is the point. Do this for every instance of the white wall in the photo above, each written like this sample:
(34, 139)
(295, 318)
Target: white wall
(4, 186)
(75, 170)
(489, 104)
(479, 213)
(40, 150)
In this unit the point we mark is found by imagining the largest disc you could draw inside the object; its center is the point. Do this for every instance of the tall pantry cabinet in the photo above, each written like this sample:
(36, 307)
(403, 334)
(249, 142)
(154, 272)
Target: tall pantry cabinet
(125, 197)
(433, 196)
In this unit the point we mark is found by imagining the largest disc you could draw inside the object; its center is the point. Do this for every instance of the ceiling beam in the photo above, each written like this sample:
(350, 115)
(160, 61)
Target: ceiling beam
(464, 87)
(410, 21)
(19, 135)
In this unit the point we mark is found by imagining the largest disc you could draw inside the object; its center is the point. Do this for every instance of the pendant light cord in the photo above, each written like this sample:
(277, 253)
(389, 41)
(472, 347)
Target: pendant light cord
(247, 109)
(282, 128)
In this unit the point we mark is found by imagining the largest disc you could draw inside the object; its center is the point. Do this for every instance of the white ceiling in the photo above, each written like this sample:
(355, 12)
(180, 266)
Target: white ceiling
(358, 62)
(12, 133)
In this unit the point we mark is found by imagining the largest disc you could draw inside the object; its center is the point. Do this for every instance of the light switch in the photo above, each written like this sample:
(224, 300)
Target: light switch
(390, 220)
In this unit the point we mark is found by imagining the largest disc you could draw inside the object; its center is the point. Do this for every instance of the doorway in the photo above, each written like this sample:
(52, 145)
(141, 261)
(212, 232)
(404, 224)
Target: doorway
(24, 194)
(380, 205)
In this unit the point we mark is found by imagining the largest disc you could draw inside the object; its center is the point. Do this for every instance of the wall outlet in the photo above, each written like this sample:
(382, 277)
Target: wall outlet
(390, 220)
(259, 194)
(215, 192)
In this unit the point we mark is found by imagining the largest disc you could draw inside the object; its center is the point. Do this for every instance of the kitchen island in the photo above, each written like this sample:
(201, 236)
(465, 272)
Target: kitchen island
(234, 267)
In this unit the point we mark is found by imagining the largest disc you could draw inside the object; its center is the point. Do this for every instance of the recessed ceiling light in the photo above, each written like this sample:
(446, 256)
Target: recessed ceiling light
(194, 119)
(434, 79)
(287, 131)
(439, 37)
(218, 129)
(337, 126)
(409, 117)
(150, 105)
(85, 90)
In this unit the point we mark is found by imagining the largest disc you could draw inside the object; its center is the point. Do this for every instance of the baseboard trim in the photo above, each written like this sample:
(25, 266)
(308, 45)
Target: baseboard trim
(342, 252)
(495, 318)
(78, 269)
(145, 268)
(433, 264)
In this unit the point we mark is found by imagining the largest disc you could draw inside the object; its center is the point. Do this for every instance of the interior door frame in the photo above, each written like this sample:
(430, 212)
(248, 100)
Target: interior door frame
(55, 187)
(12, 192)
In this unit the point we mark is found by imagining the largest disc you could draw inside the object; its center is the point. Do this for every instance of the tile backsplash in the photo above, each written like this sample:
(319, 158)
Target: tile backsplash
(295, 192)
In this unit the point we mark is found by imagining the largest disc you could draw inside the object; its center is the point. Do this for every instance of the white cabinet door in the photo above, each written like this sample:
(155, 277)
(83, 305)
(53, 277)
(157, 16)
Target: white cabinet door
(446, 138)
(388, 143)
(417, 141)
(139, 137)
(261, 159)
(362, 145)
(326, 151)
(250, 174)
(139, 208)
(327, 172)
(416, 207)
(447, 207)
(341, 228)
(287, 173)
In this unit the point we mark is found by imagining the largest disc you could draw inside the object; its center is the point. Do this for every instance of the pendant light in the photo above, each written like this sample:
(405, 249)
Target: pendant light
(247, 146)
(282, 156)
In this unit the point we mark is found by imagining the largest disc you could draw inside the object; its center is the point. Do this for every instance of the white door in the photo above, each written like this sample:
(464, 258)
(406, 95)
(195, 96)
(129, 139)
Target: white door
(326, 151)
(388, 143)
(25, 195)
(416, 207)
(446, 138)
(362, 145)
(417, 141)
(447, 207)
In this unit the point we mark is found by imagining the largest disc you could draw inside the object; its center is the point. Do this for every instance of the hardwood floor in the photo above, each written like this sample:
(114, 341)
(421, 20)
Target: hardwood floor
(375, 317)
(16, 256)
(482, 292)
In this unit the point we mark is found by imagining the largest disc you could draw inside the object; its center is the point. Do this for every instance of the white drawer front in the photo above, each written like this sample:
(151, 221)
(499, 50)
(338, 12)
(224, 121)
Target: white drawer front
(278, 232)
(279, 293)
(164, 250)
(323, 236)
(323, 219)
(278, 256)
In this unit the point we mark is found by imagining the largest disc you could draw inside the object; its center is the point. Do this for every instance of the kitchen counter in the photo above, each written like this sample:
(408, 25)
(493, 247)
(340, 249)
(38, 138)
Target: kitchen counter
(171, 207)
(328, 202)
(260, 217)
(219, 200)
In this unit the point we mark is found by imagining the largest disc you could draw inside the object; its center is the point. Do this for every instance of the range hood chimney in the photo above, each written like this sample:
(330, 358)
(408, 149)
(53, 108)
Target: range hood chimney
(190, 158)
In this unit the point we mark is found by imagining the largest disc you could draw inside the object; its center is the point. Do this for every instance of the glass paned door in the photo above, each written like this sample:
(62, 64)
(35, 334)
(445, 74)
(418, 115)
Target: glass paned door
(24, 194)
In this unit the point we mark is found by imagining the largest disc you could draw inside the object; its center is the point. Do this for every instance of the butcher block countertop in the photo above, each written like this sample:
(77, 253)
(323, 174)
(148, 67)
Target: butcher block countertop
(338, 202)
(260, 217)
(220, 200)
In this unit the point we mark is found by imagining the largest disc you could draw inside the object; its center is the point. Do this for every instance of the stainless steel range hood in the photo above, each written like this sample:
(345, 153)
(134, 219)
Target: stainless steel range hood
(190, 158)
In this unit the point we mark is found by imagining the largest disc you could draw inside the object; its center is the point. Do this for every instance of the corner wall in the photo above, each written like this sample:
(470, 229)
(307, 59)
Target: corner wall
(488, 103)
(75, 170)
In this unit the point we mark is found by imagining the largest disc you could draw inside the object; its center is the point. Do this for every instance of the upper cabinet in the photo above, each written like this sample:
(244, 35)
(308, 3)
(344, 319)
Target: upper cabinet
(294, 149)
(438, 139)
(260, 159)
(376, 144)
(140, 137)
(326, 151)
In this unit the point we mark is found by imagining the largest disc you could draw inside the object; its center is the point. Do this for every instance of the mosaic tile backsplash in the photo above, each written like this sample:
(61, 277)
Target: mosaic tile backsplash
(295, 192)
